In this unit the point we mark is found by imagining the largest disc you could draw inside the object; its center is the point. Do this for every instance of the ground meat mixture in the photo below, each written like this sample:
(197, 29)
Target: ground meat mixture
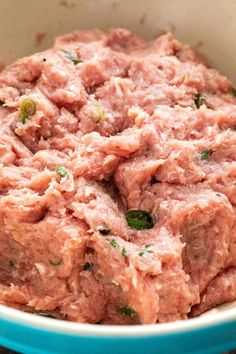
(117, 181)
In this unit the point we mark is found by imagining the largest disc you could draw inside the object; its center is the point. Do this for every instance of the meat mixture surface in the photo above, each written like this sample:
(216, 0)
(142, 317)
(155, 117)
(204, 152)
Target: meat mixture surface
(117, 181)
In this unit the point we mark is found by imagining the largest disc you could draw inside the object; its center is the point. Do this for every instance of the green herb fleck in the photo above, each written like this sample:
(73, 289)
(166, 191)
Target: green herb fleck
(145, 249)
(104, 230)
(87, 266)
(126, 311)
(205, 154)
(99, 113)
(71, 57)
(27, 109)
(200, 99)
(124, 252)
(61, 171)
(55, 262)
(113, 243)
(139, 219)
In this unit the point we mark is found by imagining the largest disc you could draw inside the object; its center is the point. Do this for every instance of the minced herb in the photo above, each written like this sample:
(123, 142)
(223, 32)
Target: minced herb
(145, 249)
(88, 266)
(124, 252)
(99, 113)
(126, 311)
(139, 219)
(71, 57)
(205, 154)
(104, 230)
(113, 243)
(61, 171)
(55, 262)
(27, 109)
(200, 99)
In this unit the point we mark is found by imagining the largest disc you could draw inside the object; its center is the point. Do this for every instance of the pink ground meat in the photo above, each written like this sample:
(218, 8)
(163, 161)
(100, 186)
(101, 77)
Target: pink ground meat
(119, 124)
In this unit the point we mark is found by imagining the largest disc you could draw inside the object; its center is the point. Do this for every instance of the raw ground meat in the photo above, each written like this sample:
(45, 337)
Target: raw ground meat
(120, 119)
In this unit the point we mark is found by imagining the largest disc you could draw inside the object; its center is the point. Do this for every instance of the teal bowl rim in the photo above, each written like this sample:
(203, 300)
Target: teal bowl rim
(213, 318)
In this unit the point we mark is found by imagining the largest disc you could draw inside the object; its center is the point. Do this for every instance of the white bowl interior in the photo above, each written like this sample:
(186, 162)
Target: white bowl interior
(208, 25)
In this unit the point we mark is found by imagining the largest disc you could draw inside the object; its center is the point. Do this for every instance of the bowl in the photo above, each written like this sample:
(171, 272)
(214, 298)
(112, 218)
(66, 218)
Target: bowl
(30, 26)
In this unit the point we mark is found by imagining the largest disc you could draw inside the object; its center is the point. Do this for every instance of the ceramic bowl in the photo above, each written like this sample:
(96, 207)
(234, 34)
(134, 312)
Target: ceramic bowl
(30, 26)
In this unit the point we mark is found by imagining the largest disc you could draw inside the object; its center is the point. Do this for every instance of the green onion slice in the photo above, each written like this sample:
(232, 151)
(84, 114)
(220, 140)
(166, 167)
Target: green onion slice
(71, 57)
(139, 219)
(205, 154)
(126, 311)
(55, 262)
(200, 99)
(27, 109)
(62, 171)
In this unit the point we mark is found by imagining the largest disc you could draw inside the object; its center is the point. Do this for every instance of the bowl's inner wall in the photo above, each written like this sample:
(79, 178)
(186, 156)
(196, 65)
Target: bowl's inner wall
(30, 26)
(209, 25)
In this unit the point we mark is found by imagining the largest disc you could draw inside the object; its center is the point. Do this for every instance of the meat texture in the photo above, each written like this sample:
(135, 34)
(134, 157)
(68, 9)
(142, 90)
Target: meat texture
(113, 124)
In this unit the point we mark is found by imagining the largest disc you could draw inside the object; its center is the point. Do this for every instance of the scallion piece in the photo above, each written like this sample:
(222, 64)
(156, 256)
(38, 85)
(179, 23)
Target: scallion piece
(61, 171)
(145, 249)
(200, 99)
(205, 154)
(99, 114)
(124, 252)
(55, 262)
(126, 311)
(139, 219)
(113, 243)
(27, 109)
(71, 57)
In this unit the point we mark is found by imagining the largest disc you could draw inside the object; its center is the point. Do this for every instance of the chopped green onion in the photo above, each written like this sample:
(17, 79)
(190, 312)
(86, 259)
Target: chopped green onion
(104, 230)
(124, 252)
(145, 249)
(200, 99)
(205, 154)
(139, 219)
(87, 266)
(99, 114)
(61, 171)
(113, 243)
(27, 109)
(126, 311)
(55, 262)
(71, 57)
